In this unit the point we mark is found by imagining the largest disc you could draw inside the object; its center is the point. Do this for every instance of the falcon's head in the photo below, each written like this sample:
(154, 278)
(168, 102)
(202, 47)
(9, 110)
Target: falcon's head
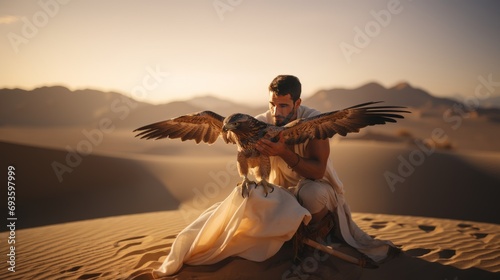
(237, 122)
(243, 127)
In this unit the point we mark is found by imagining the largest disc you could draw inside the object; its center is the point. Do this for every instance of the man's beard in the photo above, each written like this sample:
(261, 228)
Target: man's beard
(285, 120)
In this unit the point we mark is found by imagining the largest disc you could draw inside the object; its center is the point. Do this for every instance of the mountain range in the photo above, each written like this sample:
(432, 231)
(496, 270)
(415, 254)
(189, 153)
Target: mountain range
(403, 94)
(59, 106)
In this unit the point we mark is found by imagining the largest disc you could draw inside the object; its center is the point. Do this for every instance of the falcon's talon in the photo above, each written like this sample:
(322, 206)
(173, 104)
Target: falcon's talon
(245, 187)
(266, 185)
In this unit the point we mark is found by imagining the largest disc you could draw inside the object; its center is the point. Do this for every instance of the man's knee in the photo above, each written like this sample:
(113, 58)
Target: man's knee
(313, 196)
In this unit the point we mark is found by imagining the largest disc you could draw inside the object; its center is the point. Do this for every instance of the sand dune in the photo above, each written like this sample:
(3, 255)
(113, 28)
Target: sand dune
(129, 247)
(124, 176)
(453, 185)
(109, 184)
(458, 185)
(100, 186)
(143, 176)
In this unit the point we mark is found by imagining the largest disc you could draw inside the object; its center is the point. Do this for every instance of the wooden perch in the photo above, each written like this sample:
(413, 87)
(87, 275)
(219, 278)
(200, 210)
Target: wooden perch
(363, 262)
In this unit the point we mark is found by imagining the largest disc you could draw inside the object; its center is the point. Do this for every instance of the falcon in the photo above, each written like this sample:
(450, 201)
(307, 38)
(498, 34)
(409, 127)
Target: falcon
(245, 131)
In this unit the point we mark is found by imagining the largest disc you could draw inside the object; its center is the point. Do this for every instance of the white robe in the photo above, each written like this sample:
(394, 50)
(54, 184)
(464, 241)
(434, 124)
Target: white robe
(253, 228)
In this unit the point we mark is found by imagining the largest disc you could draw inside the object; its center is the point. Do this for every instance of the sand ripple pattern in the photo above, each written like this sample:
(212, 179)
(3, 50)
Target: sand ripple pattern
(109, 248)
(129, 247)
(449, 242)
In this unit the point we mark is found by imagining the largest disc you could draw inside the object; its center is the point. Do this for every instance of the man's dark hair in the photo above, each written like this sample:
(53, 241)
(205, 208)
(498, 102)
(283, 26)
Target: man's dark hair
(286, 84)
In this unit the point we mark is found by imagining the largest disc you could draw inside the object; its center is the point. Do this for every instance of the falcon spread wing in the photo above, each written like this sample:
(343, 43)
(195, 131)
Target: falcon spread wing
(204, 126)
(341, 122)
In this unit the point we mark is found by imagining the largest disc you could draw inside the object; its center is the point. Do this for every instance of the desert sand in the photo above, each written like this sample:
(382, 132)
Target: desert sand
(129, 247)
(116, 214)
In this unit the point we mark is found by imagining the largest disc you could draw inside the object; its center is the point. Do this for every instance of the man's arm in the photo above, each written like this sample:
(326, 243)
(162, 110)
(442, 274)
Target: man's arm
(311, 166)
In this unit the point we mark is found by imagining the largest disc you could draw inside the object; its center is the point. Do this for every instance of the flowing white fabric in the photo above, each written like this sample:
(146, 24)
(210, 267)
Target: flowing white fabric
(282, 175)
(253, 228)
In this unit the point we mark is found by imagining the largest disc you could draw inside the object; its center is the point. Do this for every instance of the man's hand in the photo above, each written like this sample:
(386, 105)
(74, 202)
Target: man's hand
(312, 166)
(269, 148)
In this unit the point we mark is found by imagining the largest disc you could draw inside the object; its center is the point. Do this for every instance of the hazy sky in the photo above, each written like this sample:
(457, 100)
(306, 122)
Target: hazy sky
(169, 50)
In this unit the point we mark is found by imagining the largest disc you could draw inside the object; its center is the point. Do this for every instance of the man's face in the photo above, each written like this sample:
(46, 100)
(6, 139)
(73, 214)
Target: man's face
(282, 108)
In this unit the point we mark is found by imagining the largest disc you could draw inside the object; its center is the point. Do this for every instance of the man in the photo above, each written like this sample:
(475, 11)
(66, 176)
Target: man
(307, 170)
(255, 229)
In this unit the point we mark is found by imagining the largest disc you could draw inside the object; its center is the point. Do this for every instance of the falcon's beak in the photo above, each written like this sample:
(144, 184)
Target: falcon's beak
(229, 126)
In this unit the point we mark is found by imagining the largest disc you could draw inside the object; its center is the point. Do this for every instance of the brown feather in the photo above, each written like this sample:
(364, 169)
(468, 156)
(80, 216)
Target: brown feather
(340, 122)
(204, 126)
